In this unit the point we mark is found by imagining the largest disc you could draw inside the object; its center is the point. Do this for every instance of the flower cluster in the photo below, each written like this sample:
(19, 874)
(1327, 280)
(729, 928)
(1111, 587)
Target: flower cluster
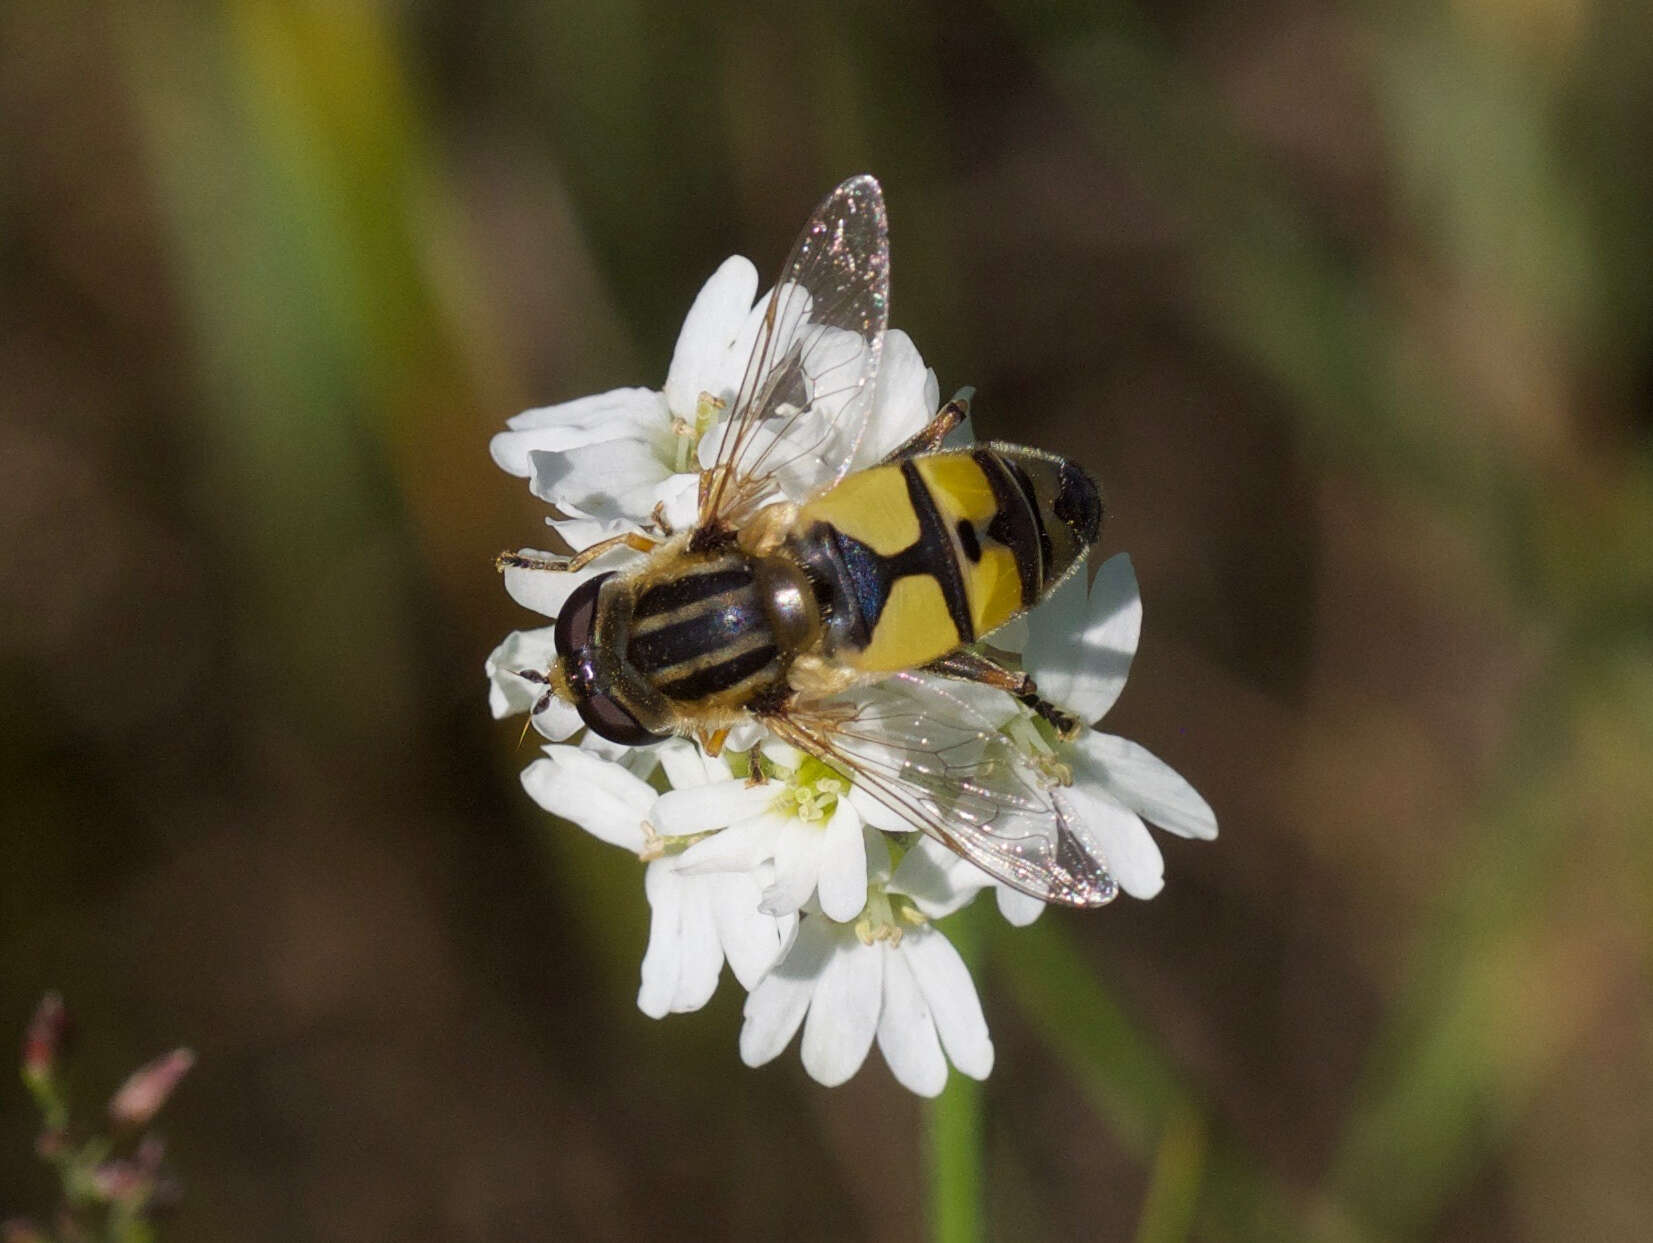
(820, 899)
(112, 1177)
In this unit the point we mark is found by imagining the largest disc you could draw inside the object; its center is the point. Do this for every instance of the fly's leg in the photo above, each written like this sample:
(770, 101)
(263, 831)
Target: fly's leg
(967, 666)
(523, 561)
(631, 540)
(935, 431)
(567, 565)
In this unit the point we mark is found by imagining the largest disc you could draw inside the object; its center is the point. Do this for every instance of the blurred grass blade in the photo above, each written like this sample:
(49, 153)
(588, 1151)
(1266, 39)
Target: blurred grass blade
(1126, 1079)
(1136, 1090)
(1174, 1181)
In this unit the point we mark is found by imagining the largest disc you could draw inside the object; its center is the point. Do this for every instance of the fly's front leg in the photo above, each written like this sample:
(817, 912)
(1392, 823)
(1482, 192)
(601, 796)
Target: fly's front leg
(631, 539)
(525, 561)
(935, 431)
(967, 666)
(567, 565)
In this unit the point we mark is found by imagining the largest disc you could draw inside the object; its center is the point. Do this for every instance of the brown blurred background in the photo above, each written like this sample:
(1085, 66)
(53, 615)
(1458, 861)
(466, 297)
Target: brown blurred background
(1348, 306)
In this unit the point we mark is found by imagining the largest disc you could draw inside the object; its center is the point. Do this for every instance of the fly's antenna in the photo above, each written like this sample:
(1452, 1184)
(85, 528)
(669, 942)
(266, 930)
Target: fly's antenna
(555, 682)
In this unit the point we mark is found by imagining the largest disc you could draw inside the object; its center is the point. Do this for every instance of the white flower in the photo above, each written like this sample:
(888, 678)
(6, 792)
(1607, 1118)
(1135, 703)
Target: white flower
(799, 820)
(696, 922)
(890, 977)
(1079, 647)
(609, 460)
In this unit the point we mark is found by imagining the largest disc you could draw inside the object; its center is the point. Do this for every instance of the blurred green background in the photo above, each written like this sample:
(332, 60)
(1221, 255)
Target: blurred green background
(1351, 309)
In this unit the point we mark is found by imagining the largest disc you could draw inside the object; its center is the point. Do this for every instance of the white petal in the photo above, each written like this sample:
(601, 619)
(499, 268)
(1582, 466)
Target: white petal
(1150, 786)
(698, 809)
(783, 754)
(947, 987)
(557, 721)
(938, 881)
(623, 408)
(573, 423)
(679, 500)
(878, 857)
(752, 941)
(686, 765)
(1012, 636)
(1019, 909)
(1083, 665)
(797, 867)
(738, 848)
(702, 948)
(601, 797)
(612, 479)
(640, 762)
(744, 736)
(708, 334)
(731, 373)
(663, 960)
(903, 402)
(843, 865)
(582, 531)
(546, 591)
(879, 814)
(843, 1013)
(777, 1005)
(1117, 836)
(907, 1031)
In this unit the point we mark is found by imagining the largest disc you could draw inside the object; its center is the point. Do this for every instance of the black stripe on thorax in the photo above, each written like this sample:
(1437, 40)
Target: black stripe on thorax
(720, 675)
(1017, 523)
(933, 553)
(695, 584)
(695, 629)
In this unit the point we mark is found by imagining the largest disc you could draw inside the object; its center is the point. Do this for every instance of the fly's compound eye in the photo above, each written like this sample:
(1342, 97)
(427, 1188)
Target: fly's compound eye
(577, 615)
(607, 717)
(585, 667)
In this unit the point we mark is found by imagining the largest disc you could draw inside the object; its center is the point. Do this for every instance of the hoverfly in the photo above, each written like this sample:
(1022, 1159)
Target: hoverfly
(842, 608)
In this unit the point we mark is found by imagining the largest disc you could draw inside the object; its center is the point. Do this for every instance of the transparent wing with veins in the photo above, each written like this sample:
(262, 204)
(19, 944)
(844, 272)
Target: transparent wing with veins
(927, 753)
(804, 402)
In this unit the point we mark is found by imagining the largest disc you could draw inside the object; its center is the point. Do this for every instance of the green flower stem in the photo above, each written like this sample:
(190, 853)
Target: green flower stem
(953, 1125)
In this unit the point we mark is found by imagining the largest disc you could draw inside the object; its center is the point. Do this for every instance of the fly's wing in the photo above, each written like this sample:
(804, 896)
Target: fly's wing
(932, 757)
(807, 393)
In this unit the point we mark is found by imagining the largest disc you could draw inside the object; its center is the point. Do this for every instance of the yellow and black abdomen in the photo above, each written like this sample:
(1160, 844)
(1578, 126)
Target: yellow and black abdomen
(921, 556)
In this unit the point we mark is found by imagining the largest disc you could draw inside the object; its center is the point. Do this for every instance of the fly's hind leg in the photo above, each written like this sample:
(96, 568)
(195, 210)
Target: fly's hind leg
(968, 666)
(935, 431)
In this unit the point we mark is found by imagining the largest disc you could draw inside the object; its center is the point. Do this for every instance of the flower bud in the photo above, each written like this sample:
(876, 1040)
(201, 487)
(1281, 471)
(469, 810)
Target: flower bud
(120, 1181)
(43, 1042)
(51, 1144)
(140, 1098)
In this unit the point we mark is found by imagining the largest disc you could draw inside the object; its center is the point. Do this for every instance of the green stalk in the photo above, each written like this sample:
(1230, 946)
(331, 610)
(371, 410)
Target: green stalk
(954, 1124)
(953, 1130)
